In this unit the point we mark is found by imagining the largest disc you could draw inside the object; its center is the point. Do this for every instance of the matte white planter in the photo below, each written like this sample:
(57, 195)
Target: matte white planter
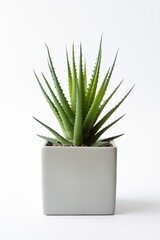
(79, 180)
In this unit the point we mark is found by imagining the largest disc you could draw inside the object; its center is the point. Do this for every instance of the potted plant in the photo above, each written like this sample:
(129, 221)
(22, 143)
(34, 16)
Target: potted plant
(79, 168)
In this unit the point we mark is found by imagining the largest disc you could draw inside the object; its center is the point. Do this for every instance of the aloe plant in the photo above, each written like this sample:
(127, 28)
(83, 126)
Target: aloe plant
(79, 117)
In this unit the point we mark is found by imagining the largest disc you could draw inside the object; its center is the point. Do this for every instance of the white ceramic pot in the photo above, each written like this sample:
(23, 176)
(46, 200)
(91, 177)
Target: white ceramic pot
(79, 180)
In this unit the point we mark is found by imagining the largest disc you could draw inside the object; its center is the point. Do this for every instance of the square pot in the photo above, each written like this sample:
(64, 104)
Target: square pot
(79, 180)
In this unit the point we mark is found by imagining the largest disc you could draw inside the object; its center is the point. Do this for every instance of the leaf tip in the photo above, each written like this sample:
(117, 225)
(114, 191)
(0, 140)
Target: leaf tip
(46, 45)
(101, 36)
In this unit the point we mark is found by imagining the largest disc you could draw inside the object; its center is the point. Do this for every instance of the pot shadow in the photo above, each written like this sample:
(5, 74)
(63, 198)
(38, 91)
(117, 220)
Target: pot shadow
(125, 206)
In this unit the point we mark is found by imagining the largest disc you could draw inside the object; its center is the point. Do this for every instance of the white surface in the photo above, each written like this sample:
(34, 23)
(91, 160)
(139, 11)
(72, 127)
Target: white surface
(134, 26)
(136, 218)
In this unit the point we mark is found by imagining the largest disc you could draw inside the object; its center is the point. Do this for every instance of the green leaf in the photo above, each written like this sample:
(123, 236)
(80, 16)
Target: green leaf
(78, 134)
(85, 89)
(113, 65)
(104, 142)
(57, 135)
(93, 138)
(74, 81)
(111, 138)
(85, 76)
(61, 95)
(109, 74)
(91, 116)
(91, 91)
(81, 84)
(68, 127)
(70, 80)
(106, 101)
(106, 117)
(50, 140)
(51, 104)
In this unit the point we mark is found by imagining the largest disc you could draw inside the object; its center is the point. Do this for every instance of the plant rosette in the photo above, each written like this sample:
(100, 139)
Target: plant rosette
(78, 167)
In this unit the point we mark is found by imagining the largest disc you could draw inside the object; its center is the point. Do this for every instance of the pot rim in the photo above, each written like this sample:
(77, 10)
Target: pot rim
(81, 147)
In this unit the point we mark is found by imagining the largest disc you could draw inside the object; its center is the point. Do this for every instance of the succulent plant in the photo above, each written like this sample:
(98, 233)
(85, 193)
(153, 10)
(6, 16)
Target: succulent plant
(79, 117)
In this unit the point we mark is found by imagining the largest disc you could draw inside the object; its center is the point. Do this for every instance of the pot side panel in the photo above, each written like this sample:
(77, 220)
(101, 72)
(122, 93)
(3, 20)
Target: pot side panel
(78, 181)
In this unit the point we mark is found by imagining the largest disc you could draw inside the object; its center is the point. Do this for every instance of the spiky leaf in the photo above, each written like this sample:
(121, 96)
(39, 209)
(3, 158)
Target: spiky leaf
(74, 81)
(64, 118)
(91, 91)
(93, 138)
(50, 140)
(51, 104)
(57, 135)
(61, 95)
(107, 116)
(91, 116)
(78, 130)
(81, 83)
(100, 109)
(105, 142)
(70, 80)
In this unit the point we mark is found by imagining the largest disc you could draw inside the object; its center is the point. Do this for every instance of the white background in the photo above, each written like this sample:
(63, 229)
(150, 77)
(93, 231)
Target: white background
(132, 25)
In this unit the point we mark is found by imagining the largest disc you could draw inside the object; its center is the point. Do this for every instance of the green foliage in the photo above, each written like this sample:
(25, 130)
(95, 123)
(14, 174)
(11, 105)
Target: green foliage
(79, 117)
